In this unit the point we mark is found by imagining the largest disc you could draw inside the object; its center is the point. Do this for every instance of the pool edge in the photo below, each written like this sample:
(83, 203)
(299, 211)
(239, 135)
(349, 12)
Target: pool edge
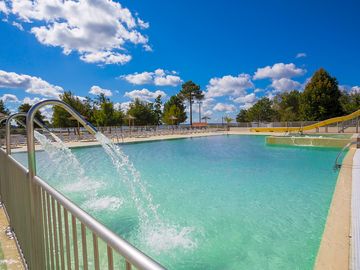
(335, 245)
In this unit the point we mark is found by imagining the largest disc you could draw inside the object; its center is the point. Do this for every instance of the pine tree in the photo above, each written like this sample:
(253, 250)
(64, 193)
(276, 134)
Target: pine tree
(321, 97)
(189, 92)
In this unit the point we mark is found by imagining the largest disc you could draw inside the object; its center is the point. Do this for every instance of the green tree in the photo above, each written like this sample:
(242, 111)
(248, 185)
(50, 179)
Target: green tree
(228, 120)
(171, 115)
(106, 115)
(190, 91)
(350, 102)
(62, 118)
(321, 97)
(242, 116)
(3, 109)
(287, 106)
(143, 112)
(261, 111)
(25, 107)
(179, 112)
(157, 110)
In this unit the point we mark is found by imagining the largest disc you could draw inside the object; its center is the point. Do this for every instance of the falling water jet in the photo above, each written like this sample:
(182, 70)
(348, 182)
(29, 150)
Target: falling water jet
(67, 165)
(153, 232)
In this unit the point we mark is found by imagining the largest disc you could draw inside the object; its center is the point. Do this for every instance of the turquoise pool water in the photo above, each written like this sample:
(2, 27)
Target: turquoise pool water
(225, 202)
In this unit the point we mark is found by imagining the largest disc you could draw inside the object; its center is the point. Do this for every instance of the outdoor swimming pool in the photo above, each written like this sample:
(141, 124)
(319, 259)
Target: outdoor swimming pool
(217, 202)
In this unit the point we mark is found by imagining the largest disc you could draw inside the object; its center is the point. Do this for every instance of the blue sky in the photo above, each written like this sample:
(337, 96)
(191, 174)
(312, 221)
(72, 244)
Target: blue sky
(237, 51)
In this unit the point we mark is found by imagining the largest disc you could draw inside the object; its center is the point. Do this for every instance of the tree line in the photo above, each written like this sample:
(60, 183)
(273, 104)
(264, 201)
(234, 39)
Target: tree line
(101, 111)
(320, 100)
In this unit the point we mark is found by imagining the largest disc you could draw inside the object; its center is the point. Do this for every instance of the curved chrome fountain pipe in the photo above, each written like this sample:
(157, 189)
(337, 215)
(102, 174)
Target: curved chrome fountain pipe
(7, 127)
(37, 244)
(30, 127)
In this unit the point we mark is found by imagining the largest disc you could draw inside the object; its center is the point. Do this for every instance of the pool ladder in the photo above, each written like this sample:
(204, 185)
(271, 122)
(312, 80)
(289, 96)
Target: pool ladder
(338, 164)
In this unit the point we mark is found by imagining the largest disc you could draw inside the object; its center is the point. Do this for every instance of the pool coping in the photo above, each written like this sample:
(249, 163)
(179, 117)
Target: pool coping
(335, 246)
(77, 144)
(355, 208)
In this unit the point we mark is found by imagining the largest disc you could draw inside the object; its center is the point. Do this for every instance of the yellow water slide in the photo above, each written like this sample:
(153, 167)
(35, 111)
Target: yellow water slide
(309, 127)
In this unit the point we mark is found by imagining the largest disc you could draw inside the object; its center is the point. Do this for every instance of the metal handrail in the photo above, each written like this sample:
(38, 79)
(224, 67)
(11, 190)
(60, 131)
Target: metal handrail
(7, 127)
(337, 165)
(129, 252)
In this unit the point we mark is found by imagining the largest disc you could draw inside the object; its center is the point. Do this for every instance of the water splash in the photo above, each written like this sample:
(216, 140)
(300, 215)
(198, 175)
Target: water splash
(153, 232)
(65, 164)
(163, 237)
(108, 203)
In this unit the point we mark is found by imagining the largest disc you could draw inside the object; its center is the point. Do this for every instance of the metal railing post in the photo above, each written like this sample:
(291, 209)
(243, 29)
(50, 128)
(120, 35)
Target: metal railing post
(8, 125)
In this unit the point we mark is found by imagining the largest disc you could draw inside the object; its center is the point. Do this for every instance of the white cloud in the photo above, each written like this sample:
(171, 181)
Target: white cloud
(124, 106)
(142, 24)
(33, 85)
(47, 112)
(147, 48)
(229, 85)
(170, 80)
(222, 107)
(18, 26)
(285, 84)
(246, 101)
(139, 78)
(247, 105)
(159, 77)
(97, 90)
(3, 7)
(206, 104)
(105, 58)
(301, 55)
(32, 101)
(81, 98)
(145, 94)
(355, 89)
(250, 98)
(98, 30)
(278, 71)
(9, 98)
(162, 79)
(208, 113)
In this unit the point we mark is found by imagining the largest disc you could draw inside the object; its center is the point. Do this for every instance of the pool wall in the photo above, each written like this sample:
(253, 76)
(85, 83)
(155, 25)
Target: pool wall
(308, 141)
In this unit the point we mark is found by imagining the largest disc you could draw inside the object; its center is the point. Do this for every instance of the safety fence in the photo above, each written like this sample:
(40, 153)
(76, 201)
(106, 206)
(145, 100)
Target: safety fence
(60, 235)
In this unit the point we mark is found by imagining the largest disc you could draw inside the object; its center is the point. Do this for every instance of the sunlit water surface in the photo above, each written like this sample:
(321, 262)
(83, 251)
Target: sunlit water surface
(225, 202)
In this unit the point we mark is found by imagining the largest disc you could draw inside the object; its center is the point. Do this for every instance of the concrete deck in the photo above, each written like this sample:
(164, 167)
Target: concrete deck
(9, 255)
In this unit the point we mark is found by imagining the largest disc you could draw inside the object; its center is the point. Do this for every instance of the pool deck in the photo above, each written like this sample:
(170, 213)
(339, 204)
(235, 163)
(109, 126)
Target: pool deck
(335, 247)
(355, 205)
(9, 255)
